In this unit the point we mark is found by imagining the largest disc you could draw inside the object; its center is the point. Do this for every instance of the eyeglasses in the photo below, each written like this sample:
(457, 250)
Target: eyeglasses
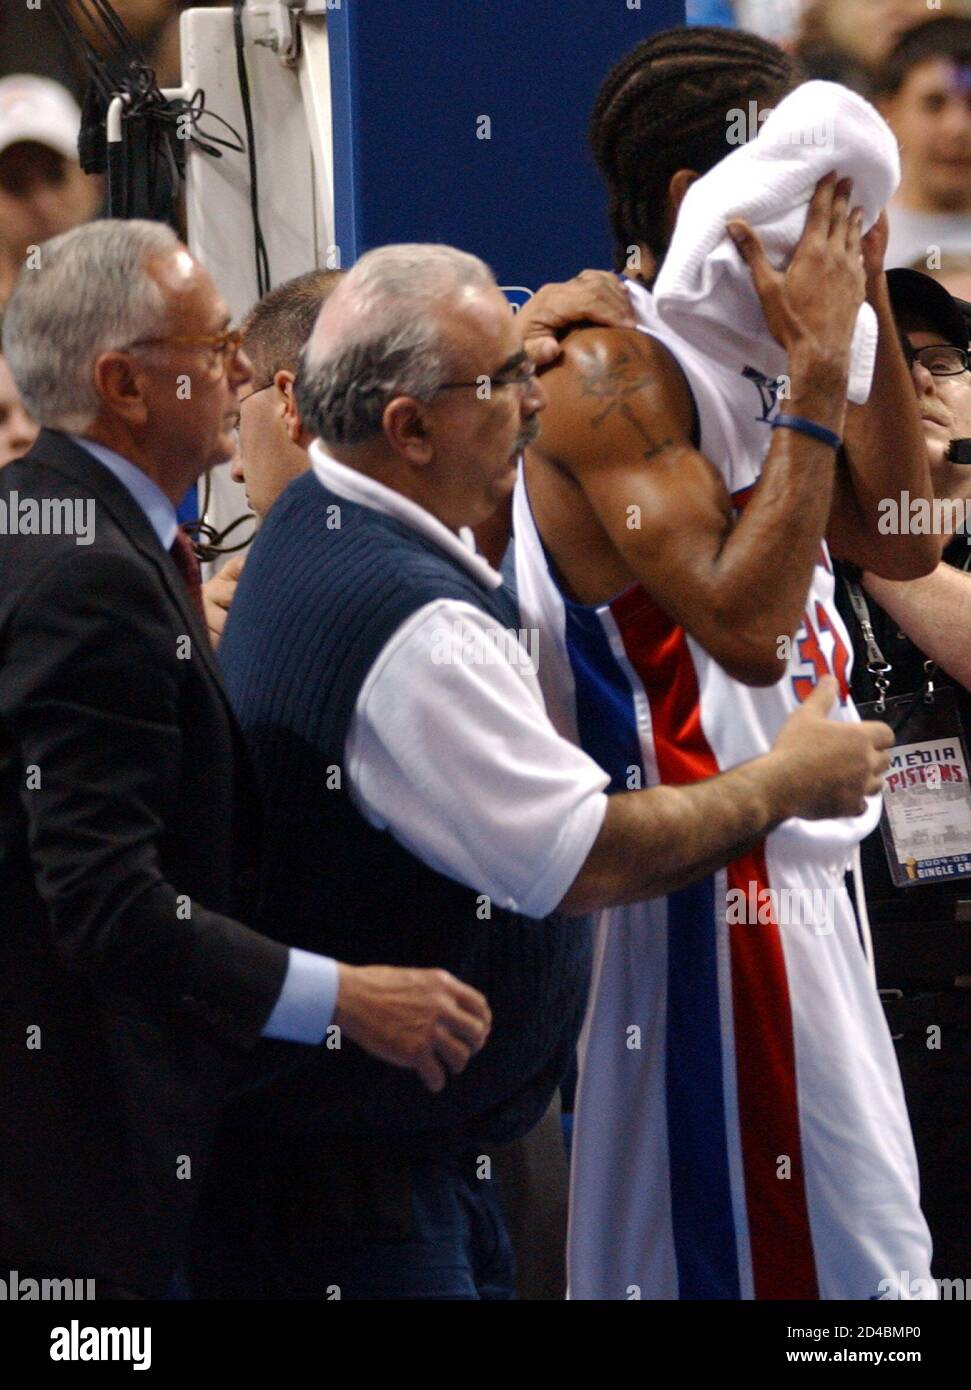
(222, 347)
(250, 394)
(940, 359)
(523, 375)
(248, 397)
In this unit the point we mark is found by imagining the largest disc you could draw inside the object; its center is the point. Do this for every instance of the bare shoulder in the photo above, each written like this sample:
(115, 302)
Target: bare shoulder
(609, 385)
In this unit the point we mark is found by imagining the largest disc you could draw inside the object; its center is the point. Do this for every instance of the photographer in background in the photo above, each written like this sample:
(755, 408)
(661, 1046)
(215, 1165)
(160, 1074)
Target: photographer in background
(922, 932)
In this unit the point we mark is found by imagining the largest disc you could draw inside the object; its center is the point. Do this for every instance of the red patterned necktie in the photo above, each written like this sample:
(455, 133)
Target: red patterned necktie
(188, 566)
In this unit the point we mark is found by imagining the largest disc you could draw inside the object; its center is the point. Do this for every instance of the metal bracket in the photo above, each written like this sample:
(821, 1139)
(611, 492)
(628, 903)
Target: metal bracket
(273, 24)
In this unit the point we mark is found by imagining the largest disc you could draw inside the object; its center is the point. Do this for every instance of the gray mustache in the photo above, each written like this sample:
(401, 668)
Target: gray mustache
(527, 435)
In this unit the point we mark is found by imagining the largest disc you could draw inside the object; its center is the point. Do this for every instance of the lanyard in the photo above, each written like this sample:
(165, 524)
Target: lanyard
(925, 825)
(876, 663)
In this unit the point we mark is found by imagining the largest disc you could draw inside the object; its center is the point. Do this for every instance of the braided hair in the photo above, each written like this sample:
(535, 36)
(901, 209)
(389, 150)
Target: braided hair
(664, 107)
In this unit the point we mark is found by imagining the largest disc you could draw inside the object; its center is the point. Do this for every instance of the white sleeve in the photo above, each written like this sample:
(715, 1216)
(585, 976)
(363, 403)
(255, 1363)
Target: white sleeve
(451, 749)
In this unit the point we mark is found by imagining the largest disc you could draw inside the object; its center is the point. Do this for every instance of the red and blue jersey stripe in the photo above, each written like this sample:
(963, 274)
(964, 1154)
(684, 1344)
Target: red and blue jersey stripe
(656, 657)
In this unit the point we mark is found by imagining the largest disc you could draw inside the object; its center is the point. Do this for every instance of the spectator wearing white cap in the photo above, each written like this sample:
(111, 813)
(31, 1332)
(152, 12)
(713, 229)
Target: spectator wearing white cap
(43, 191)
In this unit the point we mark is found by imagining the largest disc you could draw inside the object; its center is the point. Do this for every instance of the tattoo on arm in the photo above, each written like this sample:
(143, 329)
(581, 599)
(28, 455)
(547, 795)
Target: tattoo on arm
(612, 384)
(654, 446)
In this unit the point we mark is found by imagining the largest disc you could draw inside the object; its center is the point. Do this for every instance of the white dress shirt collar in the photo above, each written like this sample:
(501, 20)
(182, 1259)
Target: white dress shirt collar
(159, 510)
(357, 487)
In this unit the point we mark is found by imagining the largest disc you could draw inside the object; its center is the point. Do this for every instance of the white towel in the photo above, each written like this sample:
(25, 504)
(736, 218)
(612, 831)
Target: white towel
(704, 290)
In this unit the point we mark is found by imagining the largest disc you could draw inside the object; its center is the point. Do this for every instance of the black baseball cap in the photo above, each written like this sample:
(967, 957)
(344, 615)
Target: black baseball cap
(965, 308)
(920, 296)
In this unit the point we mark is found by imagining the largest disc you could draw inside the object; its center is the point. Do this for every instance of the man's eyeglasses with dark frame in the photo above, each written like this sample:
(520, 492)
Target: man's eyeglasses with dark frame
(940, 359)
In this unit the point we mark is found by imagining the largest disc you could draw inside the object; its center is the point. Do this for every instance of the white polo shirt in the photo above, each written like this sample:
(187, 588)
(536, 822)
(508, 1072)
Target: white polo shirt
(450, 748)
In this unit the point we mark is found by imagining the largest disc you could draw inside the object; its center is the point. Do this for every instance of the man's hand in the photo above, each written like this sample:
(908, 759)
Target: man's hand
(593, 296)
(812, 305)
(656, 841)
(831, 766)
(218, 594)
(425, 1020)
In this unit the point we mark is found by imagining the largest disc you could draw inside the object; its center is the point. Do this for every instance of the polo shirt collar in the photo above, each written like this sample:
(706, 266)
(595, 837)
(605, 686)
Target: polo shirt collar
(368, 492)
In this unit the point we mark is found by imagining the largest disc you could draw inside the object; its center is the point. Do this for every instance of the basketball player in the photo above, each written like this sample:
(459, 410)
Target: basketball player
(740, 1130)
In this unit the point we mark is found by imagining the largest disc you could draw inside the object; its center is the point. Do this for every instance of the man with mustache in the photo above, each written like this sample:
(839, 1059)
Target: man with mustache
(417, 789)
(273, 450)
(273, 442)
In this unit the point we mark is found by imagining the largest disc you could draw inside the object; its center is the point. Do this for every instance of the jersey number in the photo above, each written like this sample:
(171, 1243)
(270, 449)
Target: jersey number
(810, 652)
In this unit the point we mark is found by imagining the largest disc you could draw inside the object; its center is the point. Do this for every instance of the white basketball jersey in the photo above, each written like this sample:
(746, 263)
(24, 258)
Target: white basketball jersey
(740, 1129)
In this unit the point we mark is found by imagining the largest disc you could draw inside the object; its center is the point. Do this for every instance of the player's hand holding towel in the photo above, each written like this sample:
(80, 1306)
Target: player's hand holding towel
(704, 290)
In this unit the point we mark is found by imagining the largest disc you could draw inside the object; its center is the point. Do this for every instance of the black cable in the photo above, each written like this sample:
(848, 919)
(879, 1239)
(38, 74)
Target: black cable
(195, 108)
(263, 281)
(145, 169)
(76, 38)
(106, 18)
(151, 125)
(209, 544)
(207, 541)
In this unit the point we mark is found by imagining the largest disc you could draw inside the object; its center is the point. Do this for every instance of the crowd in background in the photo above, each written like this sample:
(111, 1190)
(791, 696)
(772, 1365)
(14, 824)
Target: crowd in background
(890, 50)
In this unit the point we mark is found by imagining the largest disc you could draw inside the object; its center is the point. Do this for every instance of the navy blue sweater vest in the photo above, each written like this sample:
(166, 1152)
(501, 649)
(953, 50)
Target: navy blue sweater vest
(327, 584)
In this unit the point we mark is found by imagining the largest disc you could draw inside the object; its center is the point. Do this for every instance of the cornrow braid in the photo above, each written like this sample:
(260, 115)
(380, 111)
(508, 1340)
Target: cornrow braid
(664, 107)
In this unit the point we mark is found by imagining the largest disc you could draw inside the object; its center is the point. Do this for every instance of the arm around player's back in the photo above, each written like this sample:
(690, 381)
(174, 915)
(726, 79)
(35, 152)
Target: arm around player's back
(488, 810)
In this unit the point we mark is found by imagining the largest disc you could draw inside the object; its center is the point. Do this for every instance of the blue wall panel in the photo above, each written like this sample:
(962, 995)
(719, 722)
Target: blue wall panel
(411, 81)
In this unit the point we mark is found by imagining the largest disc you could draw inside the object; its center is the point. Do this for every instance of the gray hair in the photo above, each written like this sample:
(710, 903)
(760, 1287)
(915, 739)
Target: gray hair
(89, 293)
(386, 338)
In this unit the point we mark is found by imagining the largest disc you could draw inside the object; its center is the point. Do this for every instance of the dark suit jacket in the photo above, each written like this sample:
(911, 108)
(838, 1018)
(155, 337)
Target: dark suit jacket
(129, 998)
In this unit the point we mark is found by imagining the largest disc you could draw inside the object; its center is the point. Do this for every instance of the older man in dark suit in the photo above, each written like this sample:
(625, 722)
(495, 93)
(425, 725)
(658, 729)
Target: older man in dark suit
(131, 994)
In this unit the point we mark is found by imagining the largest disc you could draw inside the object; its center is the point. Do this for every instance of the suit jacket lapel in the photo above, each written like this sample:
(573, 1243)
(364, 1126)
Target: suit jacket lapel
(56, 451)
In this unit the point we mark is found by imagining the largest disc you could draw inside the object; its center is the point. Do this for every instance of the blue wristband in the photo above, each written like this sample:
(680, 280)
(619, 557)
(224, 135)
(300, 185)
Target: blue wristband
(804, 426)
